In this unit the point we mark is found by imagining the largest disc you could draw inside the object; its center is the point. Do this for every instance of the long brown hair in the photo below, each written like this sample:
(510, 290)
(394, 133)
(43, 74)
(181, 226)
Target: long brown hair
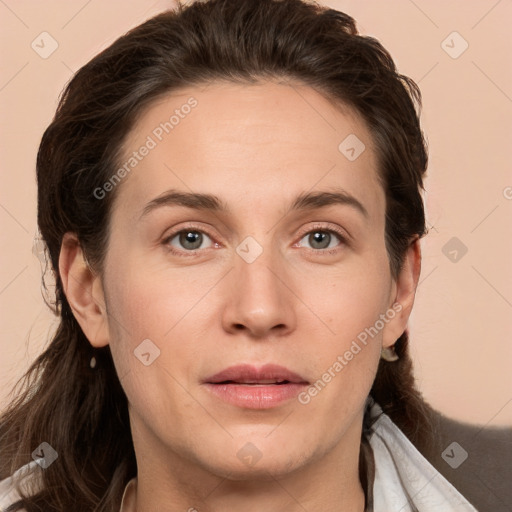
(82, 412)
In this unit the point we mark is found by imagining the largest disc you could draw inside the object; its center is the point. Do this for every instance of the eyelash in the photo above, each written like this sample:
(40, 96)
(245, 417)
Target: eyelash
(314, 229)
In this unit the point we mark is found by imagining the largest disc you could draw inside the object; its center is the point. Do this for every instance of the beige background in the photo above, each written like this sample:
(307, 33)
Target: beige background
(461, 327)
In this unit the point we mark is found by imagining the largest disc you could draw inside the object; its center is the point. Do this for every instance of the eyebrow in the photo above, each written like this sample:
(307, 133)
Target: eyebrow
(210, 202)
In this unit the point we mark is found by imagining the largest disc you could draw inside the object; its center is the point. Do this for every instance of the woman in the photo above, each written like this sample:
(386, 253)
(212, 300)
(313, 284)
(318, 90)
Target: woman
(230, 196)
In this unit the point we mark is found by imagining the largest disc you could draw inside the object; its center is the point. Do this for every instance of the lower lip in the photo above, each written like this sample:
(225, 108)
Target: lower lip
(264, 396)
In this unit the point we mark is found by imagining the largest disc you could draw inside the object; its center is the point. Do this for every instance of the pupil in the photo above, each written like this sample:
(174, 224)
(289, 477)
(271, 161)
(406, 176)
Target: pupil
(318, 236)
(191, 237)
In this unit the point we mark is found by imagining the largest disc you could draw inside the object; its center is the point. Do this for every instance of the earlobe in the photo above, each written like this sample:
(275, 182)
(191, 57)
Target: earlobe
(84, 291)
(405, 286)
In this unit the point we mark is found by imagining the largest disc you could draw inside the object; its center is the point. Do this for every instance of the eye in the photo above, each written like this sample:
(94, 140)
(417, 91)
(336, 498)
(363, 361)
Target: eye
(187, 240)
(190, 240)
(321, 239)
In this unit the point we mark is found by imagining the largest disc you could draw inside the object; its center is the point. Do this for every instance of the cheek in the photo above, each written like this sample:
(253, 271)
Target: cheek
(351, 301)
(146, 301)
(153, 311)
(145, 320)
(346, 359)
(348, 352)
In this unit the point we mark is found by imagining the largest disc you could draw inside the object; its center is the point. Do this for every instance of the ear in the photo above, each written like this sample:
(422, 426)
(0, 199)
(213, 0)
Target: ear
(84, 291)
(403, 293)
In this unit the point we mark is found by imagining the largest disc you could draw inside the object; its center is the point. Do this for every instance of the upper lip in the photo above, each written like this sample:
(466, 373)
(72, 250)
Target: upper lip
(248, 374)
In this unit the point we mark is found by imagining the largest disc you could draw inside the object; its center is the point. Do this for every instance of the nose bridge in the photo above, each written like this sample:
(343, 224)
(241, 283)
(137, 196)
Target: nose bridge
(260, 300)
(253, 269)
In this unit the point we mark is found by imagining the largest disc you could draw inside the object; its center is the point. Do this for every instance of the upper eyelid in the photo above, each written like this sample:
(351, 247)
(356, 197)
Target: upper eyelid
(189, 227)
(339, 231)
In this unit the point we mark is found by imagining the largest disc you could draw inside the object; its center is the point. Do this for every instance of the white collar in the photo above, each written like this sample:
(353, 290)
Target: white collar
(404, 479)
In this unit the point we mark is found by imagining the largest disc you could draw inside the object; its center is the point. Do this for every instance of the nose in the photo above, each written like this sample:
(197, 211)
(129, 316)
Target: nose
(261, 301)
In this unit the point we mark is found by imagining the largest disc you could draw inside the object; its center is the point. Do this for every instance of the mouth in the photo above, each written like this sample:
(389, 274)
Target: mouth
(250, 387)
(258, 383)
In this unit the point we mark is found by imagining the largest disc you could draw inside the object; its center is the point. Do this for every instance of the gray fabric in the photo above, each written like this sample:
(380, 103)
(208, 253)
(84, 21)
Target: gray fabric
(485, 477)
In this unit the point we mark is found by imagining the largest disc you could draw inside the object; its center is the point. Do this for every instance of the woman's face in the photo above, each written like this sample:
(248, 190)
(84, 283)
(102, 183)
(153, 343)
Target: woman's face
(261, 279)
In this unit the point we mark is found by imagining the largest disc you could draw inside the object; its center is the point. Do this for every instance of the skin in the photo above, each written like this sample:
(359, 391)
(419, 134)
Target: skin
(255, 147)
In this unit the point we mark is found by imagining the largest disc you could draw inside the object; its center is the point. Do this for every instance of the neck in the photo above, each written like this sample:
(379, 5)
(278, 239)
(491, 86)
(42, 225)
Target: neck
(174, 483)
(273, 495)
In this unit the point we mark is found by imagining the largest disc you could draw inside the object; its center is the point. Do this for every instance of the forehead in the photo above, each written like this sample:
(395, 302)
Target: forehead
(248, 143)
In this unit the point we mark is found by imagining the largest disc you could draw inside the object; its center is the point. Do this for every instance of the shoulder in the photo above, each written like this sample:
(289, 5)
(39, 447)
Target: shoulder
(476, 459)
(403, 478)
(27, 477)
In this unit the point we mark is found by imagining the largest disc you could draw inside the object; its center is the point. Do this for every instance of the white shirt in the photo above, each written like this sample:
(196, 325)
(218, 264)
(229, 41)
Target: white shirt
(404, 480)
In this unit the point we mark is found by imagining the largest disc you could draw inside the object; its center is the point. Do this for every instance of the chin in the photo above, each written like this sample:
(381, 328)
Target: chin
(262, 471)
(259, 458)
